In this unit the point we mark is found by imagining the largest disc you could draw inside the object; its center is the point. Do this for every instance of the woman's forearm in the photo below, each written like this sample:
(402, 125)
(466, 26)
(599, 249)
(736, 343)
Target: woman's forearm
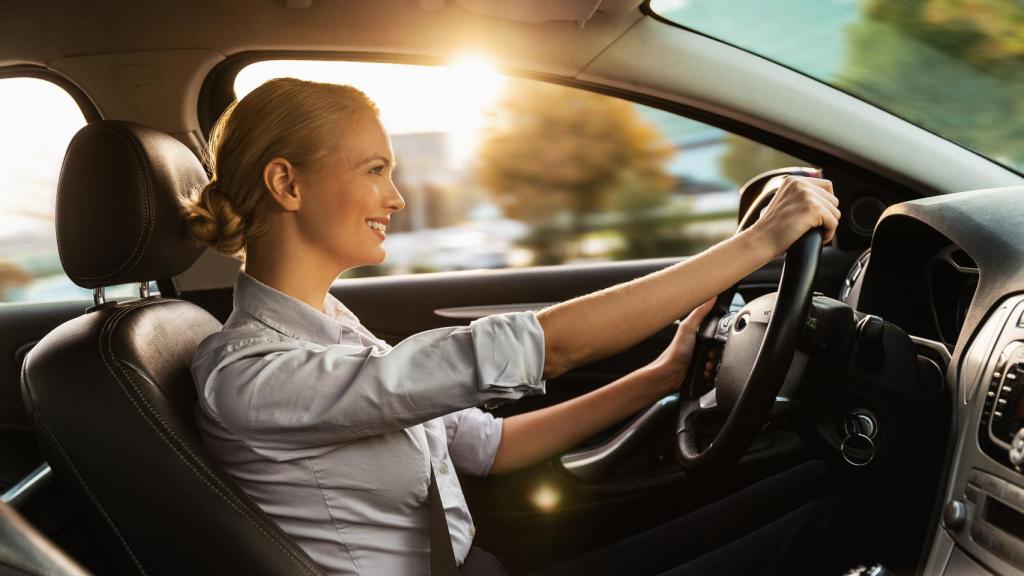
(603, 323)
(533, 437)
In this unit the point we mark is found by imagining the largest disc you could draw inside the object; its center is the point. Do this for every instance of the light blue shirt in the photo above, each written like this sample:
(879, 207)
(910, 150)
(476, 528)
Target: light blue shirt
(328, 428)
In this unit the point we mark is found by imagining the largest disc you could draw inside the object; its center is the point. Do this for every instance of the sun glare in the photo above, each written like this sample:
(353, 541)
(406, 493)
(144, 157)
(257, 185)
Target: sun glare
(451, 100)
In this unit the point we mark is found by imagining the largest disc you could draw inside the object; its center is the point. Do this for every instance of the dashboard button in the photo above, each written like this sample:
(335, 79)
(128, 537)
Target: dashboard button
(1016, 454)
(857, 267)
(954, 515)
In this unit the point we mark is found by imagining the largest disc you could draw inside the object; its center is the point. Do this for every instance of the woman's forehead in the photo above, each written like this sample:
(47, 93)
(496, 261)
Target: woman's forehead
(366, 138)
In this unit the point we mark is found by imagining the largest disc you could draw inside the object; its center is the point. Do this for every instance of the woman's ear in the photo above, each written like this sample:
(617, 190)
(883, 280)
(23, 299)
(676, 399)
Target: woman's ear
(279, 178)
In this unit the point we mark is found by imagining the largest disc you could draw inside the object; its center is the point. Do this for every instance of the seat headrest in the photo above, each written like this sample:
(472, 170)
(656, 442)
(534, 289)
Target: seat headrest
(118, 217)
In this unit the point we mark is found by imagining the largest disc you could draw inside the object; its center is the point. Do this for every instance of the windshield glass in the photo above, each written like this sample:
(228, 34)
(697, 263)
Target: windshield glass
(955, 67)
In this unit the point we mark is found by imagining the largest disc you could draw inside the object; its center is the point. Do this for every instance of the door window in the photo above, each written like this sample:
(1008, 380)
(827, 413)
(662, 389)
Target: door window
(504, 172)
(38, 119)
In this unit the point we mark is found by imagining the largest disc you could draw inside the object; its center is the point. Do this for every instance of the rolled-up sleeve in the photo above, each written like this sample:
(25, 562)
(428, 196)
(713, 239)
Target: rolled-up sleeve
(282, 393)
(473, 439)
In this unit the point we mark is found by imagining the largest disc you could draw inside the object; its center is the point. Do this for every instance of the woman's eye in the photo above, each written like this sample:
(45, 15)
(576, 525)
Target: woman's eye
(377, 170)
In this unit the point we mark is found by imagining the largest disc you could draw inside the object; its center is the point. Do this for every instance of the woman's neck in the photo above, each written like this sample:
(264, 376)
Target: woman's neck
(302, 278)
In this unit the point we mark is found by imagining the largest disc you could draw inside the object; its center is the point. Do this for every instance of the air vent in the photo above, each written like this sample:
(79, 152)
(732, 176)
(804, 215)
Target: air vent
(962, 260)
(952, 279)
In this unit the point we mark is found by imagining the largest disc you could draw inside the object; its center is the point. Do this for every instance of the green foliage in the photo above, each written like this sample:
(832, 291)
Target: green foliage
(746, 159)
(953, 66)
(554, 155)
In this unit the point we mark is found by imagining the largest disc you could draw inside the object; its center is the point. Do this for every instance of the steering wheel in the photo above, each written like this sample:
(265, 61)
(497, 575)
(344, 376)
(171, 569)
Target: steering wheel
(760, 343)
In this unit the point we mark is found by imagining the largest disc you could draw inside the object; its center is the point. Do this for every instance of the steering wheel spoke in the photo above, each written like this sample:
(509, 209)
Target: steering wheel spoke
(758, 346)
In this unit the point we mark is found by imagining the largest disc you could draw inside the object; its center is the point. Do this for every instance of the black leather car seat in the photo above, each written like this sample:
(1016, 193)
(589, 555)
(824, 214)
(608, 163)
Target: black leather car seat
(110, 393)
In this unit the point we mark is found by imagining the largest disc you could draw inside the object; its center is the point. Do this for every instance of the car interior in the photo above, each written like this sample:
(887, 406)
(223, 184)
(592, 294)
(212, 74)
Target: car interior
(889, 357)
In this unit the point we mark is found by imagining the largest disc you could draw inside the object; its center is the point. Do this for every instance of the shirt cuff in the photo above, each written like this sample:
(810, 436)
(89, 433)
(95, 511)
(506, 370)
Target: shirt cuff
(509, 352)
(474, 436)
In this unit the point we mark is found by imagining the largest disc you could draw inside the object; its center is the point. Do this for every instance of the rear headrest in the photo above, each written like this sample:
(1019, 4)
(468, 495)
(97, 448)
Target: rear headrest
(118, 218)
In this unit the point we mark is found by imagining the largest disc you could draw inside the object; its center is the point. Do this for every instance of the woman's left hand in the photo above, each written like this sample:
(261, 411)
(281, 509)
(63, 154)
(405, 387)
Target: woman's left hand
(671, 366)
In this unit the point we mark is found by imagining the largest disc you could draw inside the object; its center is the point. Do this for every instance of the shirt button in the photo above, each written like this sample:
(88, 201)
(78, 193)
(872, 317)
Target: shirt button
(472, 531)
(444, 467)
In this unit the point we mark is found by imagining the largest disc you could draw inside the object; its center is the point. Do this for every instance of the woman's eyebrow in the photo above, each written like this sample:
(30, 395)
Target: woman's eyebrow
(387, 160)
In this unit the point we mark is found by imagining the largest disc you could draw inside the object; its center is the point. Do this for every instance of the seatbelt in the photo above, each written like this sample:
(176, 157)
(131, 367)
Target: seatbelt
(442, 556)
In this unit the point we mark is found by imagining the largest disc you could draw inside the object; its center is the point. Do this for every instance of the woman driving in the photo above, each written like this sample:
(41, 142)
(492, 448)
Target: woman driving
(345, 441)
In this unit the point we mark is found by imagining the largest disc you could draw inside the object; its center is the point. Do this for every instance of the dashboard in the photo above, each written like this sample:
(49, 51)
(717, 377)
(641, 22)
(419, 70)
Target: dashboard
(950, 279)
(950, 269)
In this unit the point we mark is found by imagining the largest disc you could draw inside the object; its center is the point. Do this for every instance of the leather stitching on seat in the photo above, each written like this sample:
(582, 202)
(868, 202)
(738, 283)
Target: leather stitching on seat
(74, 469)
(112, 322)
(223, 491)
(142, 173)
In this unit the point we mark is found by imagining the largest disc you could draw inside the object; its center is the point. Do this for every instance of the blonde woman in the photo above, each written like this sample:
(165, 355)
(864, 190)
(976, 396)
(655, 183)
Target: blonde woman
(345, 440)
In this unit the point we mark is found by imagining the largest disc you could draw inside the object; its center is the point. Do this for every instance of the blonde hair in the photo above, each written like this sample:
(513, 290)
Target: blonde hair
(297, 120)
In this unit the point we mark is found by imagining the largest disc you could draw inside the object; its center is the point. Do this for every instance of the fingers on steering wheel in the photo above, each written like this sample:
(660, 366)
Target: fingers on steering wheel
(822, 183)
(829, 217)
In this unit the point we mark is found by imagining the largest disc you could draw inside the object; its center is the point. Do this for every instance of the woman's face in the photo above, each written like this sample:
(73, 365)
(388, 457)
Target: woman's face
(349, 196)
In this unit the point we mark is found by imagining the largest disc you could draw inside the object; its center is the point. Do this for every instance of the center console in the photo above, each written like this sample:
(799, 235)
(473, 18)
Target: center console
(982, 529)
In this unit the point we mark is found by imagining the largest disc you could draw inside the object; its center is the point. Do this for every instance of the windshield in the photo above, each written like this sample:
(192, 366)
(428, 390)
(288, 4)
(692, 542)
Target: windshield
(955, 67)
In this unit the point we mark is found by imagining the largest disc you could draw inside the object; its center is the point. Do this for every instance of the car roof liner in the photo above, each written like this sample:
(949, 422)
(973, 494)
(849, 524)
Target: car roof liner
(538, 11)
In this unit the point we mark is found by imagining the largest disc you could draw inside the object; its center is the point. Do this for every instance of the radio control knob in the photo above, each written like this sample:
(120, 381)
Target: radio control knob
(954, 515)
(1017, 448)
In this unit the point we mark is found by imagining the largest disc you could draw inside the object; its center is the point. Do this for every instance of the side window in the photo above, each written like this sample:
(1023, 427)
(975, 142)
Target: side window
(503, 172)
(38, 118)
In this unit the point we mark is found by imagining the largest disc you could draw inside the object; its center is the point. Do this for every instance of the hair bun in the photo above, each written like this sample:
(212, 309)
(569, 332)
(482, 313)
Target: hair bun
(213, 220)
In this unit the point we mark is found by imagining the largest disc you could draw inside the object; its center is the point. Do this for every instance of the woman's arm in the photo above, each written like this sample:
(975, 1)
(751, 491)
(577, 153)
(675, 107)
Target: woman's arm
(533, 437)
(597, 325)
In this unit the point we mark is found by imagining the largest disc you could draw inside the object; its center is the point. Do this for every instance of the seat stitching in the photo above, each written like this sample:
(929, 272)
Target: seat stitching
(147, 196)
(107, 338)
(74, 469)
(242, 511)
(108, 332)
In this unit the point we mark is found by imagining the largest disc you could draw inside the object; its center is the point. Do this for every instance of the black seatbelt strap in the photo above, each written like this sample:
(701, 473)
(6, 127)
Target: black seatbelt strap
(442, 556)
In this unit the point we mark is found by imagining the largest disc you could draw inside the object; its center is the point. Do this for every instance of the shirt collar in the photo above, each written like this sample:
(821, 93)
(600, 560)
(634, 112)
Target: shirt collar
(289, 315)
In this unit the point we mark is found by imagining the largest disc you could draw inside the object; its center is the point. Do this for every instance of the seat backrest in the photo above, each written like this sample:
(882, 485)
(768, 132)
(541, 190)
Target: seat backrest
(110, 394)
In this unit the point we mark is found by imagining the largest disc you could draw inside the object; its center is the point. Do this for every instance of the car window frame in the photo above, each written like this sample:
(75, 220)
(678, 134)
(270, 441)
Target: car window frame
(90, 111)
(217, 92)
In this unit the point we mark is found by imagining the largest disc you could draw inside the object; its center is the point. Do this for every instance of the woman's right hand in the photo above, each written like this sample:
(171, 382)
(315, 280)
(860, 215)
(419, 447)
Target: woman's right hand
(801, 203)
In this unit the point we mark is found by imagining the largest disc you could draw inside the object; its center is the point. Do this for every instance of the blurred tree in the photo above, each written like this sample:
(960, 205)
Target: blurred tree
(952, 66)
(12, 276)
(745, 159)
(552, 155)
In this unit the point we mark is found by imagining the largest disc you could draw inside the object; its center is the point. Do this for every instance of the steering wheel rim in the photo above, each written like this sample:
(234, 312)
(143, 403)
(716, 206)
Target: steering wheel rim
(778, 346)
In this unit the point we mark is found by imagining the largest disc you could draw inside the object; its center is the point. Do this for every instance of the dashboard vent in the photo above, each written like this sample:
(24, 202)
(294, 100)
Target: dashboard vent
(960, 259)
(952, 279)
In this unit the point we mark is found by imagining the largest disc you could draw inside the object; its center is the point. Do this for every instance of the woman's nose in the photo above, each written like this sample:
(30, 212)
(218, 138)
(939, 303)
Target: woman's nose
(395, 200)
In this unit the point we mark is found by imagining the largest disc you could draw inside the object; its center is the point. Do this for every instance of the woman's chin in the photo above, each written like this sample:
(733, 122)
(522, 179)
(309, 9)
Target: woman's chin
(378, 258)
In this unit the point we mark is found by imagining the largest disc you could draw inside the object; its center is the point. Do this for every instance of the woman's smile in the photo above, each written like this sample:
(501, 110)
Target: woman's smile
(378, 227)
